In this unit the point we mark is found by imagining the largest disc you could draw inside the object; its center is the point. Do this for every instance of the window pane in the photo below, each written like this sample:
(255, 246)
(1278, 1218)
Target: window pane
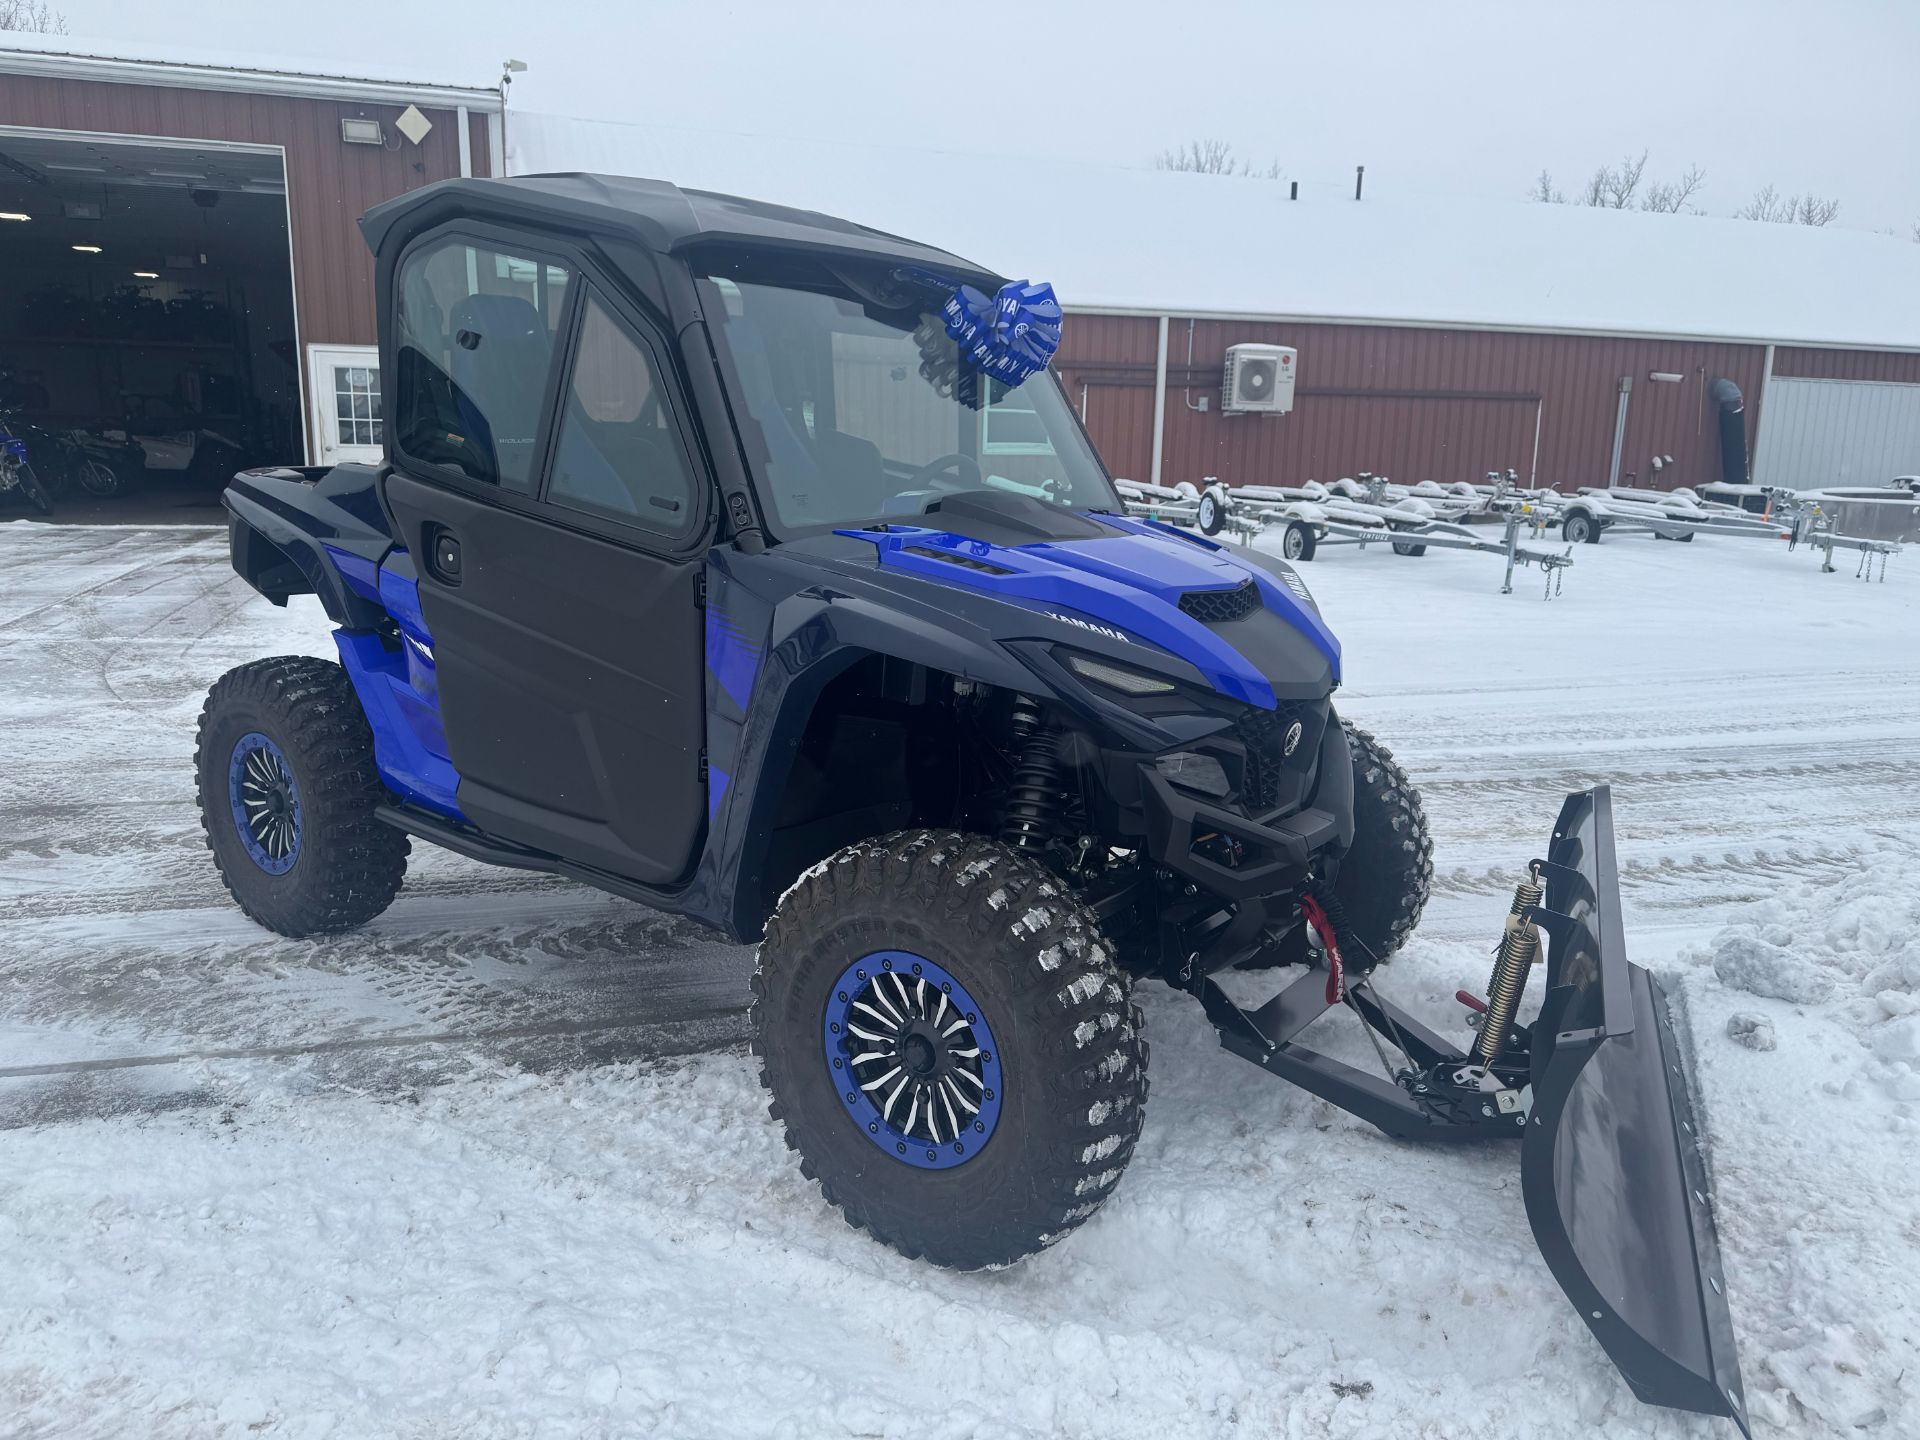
(853, 412)
(618, 453)
(474, 336)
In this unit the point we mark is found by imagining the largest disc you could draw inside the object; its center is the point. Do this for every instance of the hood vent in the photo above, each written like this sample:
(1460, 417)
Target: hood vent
(1221, 607)
(966, 562)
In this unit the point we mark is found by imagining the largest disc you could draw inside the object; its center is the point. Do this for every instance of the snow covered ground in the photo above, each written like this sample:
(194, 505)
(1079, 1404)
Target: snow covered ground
(499, 1166)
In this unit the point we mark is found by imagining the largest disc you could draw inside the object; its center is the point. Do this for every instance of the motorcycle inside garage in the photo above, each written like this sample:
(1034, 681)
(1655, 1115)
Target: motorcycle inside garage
(147, 341)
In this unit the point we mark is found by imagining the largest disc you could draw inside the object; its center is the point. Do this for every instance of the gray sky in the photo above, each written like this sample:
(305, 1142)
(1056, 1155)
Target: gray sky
(1813, 95)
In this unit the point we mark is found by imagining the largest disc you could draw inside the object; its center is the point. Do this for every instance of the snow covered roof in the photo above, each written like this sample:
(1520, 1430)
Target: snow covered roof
(1119, 240)
(78, 58)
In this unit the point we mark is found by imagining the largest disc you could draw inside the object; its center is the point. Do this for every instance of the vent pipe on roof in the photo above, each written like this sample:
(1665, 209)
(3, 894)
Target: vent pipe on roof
(1359, 179)
(1294, 192)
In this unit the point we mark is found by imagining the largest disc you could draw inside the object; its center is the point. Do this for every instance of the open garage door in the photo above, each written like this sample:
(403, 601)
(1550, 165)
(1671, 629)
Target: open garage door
(147, 342)
(1823, 433)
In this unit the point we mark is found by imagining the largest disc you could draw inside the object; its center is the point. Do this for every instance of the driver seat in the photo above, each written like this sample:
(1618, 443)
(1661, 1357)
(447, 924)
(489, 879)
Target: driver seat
(851, 468)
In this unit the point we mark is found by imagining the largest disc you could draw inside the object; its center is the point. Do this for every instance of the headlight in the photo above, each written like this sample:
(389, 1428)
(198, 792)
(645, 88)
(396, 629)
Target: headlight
(1189, 771)
(1123, 678)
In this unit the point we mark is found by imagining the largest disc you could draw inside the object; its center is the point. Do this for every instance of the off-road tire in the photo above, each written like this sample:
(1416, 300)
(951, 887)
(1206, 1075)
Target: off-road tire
(1071, 1042)
(1386, 875)
(350, 865)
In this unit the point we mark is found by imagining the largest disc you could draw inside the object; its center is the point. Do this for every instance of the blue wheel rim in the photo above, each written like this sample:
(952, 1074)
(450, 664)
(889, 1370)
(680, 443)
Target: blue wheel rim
(912, 1057)
(265, 801)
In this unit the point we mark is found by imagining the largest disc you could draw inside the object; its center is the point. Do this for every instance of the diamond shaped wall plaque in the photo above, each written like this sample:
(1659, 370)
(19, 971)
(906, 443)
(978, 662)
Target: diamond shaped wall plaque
(413, 124)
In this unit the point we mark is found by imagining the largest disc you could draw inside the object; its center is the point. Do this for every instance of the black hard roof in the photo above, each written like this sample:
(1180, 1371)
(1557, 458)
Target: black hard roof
(658, 214)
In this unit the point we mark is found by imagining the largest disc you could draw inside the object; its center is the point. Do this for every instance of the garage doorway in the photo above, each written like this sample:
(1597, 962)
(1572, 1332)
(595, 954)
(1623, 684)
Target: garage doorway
(147, 338)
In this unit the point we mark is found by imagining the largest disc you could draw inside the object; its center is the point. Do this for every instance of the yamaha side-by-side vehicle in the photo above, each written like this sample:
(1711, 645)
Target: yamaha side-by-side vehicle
(751, 564)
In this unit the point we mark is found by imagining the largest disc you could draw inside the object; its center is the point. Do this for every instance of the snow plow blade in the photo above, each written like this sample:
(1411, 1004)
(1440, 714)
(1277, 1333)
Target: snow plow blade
(1611, 1168)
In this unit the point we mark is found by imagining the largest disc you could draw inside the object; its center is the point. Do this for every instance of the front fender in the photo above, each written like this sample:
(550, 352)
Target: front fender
(761, 694)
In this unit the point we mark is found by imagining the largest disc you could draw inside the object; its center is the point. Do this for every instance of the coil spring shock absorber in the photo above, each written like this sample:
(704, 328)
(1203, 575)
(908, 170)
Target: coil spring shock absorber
(1033, 795)
(1519, 947)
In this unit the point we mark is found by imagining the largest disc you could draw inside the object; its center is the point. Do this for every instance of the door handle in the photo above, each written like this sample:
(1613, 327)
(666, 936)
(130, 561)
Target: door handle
(443, 556)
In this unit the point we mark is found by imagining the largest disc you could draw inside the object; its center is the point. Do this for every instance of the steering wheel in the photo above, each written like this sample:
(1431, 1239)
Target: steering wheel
(957, 463)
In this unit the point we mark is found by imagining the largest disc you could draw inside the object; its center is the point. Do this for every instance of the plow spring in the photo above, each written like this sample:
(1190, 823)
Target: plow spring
(1597, 1092)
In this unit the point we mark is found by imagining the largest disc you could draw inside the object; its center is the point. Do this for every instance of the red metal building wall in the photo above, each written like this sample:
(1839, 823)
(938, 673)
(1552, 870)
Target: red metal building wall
(1414, 404)
(329, 183)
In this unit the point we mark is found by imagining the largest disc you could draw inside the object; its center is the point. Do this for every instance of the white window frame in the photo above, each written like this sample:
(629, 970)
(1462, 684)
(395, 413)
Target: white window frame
(322, 360)
(988, 446)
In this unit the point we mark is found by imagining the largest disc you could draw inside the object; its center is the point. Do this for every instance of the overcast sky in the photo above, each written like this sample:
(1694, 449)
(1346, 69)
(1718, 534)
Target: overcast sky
(1810, 95)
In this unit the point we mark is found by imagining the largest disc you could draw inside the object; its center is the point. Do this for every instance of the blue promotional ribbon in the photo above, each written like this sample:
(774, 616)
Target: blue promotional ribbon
(1010, 336)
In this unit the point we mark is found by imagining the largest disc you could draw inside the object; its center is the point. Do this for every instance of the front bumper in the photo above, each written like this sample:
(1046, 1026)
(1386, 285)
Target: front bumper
(1241, 857)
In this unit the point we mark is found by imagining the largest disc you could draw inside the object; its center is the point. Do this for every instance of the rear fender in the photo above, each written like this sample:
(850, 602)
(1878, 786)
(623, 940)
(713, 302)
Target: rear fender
(290, 533)
(264, 565)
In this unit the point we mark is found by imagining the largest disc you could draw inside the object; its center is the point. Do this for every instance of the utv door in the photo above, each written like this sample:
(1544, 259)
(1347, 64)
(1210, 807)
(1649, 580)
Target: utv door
(543, 480)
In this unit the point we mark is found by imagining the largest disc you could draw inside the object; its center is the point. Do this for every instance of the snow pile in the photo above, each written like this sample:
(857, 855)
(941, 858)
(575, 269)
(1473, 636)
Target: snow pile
(1746, 962)
(1855, 943)
(1813, 1143)
(1753, 1031)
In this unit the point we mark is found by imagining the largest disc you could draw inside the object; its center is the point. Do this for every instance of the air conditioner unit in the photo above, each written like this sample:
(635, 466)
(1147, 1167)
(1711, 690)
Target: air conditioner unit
(1259, 379)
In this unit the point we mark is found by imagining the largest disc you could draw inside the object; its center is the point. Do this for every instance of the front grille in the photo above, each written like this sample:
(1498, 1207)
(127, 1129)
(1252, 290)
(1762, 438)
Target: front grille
(1269, 767)
(1219, 607)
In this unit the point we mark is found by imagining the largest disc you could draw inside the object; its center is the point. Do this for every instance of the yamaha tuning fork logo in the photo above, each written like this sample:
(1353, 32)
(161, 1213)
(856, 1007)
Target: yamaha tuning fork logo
(1292, 742)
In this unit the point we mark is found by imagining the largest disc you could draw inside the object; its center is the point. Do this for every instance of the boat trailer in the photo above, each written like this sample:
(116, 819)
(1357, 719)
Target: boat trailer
(1313, 515)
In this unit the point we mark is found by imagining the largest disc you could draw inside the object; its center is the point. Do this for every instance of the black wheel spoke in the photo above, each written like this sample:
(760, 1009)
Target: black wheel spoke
(909, 1052)
(267, 805)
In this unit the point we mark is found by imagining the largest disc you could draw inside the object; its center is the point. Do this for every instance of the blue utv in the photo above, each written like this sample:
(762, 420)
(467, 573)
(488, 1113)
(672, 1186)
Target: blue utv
(751, 564)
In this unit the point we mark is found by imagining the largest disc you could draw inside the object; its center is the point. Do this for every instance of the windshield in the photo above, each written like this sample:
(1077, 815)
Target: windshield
(854, 411)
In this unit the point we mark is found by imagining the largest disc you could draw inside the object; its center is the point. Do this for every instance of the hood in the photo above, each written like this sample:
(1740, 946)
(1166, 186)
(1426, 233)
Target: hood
(1235, 621)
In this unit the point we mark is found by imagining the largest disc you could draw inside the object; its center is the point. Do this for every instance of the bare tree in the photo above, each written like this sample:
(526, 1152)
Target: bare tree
(1769, 205)
(35, 16)
(1811, 210)
(1625, 187)
(1671, 197)
(1199, 157)
(1765, 205)
(1914, 233)
(1612, 187)
(1211, 157)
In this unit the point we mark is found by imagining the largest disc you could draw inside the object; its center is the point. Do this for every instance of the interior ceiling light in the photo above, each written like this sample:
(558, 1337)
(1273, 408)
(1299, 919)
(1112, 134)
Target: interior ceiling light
(88, 249)
(13, 215)
(146, 274)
